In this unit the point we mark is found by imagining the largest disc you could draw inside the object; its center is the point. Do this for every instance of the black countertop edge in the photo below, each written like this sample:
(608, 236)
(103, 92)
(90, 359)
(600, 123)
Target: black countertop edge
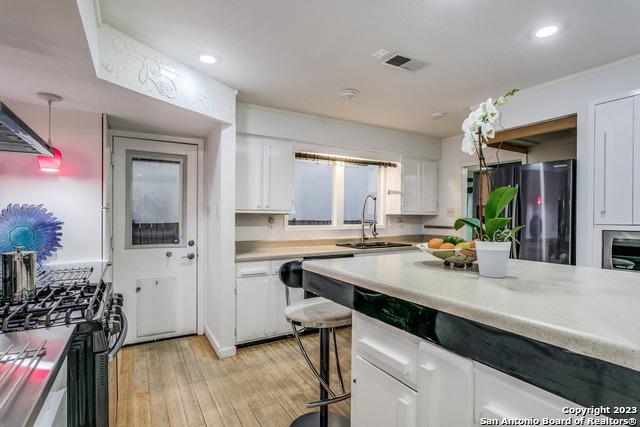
(581, 379)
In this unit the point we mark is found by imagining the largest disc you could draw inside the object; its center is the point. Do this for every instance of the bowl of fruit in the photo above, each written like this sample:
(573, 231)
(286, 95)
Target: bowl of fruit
(452, 250)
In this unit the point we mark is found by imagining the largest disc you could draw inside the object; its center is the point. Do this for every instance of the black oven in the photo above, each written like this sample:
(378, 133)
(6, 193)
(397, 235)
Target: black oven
(621, 250)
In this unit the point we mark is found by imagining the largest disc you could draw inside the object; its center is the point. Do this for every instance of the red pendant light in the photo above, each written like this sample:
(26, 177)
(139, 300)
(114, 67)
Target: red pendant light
(50, 164)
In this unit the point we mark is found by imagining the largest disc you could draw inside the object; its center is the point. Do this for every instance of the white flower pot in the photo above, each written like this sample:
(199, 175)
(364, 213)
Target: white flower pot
(493, 258)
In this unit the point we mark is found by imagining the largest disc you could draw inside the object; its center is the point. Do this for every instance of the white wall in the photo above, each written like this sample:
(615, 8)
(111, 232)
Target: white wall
(220, 201)
(319, 134)
(75, 194)
(560, 149)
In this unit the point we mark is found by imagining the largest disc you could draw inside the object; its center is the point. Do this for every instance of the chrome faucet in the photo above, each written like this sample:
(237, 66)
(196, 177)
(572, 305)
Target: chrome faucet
(372, 224)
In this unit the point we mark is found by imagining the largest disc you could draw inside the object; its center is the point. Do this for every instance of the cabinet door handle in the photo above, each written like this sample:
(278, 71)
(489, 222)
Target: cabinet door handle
(403, 412)
(603, 206)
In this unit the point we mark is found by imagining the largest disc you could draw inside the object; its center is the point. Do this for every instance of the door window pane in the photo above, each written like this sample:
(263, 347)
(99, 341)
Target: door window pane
(358, 182)
(313, 184)
(156, 200)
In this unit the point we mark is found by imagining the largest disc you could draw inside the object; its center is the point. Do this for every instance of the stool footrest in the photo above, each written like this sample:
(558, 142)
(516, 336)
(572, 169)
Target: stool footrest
(318, 403)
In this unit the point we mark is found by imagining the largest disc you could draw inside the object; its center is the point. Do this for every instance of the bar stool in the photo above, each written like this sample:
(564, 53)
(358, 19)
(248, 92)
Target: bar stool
(324, 315)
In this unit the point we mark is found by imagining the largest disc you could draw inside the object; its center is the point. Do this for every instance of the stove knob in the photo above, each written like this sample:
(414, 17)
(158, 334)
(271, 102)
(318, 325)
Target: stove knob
(117, 299)
(114, 327)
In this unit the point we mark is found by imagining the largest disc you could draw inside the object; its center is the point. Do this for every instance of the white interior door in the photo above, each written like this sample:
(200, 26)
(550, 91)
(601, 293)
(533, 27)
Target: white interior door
(154, 236)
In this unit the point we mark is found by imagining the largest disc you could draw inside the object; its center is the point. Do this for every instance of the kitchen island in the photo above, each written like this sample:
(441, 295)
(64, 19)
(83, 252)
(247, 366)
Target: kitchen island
(562, 331)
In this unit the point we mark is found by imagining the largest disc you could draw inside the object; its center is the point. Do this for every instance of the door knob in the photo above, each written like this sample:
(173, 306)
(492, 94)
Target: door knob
(191, 243)
(190, 255)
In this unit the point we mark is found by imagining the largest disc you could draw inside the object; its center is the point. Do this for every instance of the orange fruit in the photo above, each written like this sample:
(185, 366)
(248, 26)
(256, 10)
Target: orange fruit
(435, 243)
(447, 246)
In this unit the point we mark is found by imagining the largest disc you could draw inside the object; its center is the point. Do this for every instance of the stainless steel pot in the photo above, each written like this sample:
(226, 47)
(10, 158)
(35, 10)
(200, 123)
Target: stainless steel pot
(18, 275)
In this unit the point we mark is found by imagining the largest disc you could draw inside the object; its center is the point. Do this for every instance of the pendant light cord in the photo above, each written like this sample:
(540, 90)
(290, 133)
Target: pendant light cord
(49, 101)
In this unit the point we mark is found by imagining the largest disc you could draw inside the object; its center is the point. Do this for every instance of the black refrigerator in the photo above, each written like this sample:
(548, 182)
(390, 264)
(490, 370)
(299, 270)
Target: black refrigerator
(545, 205)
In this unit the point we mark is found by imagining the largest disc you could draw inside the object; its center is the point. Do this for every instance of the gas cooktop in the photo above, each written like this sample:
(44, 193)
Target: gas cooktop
(64, 295)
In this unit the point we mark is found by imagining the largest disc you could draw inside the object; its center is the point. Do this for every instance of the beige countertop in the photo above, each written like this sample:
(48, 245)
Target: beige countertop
(265, 250)
(588, 311)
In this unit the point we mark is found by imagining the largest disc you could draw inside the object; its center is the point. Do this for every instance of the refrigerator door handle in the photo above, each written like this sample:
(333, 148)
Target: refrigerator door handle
(603, 205)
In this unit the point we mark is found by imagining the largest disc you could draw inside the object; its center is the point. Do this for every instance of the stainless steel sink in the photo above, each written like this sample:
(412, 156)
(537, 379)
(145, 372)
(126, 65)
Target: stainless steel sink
(373, 245)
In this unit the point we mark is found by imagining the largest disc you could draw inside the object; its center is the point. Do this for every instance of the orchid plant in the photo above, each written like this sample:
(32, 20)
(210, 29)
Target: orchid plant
(478, 126)
(478, 129)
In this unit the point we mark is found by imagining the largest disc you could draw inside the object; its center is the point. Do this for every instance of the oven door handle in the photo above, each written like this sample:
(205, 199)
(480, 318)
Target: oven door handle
(120, 341)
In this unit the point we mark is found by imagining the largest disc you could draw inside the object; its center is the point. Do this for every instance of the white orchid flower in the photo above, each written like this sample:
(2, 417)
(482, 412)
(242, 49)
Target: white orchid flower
(490, 110)
(468, 144)
(488, 131)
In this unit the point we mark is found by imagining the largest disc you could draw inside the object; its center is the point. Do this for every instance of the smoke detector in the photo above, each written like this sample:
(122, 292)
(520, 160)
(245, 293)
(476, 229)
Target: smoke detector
(398, 60)
(349, 93)
(437, 115)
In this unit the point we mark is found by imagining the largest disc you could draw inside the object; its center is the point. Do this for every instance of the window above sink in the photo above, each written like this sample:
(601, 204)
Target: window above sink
(330, 193)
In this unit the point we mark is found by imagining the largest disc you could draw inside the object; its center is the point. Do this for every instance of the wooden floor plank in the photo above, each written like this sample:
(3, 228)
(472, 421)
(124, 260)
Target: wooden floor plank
(181, 382)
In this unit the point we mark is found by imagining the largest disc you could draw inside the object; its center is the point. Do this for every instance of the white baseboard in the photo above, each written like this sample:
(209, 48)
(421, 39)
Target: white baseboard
(222, 352)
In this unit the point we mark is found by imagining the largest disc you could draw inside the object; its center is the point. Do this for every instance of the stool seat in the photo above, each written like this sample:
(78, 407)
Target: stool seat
(318, 312)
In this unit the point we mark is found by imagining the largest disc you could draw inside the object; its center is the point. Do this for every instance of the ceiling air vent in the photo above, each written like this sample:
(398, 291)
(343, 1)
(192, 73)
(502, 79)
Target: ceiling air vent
(398, 60)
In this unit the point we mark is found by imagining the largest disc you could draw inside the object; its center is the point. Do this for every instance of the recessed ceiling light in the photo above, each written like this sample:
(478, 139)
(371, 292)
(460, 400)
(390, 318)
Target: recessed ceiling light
(208, 59)
(349, 93)
(546, 31)
(437, 115)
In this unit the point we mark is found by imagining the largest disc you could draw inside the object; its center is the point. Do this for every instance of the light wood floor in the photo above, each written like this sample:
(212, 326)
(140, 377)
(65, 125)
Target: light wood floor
(181, 382)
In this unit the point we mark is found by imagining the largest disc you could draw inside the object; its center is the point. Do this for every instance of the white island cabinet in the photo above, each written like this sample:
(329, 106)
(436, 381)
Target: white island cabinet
(400, 380)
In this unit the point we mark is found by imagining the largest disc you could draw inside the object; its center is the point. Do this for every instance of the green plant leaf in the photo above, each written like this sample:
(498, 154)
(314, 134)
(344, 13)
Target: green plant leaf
(515, 229)
(498, 201)
(474, 223)
(494, 224)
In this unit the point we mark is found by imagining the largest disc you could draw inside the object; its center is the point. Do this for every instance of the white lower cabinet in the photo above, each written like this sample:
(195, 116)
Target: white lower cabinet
(378, 399)
(438, 388)
(261, 300)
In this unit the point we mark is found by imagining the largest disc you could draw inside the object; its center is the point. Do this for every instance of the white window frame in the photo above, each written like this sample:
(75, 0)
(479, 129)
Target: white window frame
(337, 205)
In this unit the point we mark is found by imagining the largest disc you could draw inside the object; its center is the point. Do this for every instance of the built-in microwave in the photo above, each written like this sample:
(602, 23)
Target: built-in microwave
(621, 250)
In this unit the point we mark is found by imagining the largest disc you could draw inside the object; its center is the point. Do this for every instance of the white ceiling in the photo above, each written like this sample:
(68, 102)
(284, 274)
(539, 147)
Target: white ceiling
(43, 47)
(297, 54)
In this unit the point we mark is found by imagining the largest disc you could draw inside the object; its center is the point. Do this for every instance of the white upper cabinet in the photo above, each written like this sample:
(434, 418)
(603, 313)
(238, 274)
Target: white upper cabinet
(419, 187)
(264, 174)
(636, 160)
(614, 157)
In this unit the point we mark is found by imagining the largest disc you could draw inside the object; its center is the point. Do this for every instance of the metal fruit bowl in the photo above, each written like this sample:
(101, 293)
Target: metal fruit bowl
(457, 257)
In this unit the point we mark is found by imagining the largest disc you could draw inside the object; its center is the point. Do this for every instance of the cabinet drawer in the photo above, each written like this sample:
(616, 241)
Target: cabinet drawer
(251, 269)
(275, 265)
(390, 349)
(500, 396)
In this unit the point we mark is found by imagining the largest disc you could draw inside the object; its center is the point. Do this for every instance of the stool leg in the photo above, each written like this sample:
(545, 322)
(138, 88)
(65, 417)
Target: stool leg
(324, 373)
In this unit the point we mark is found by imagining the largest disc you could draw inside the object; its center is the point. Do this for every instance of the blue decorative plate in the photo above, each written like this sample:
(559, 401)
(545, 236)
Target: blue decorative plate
(30, 227)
